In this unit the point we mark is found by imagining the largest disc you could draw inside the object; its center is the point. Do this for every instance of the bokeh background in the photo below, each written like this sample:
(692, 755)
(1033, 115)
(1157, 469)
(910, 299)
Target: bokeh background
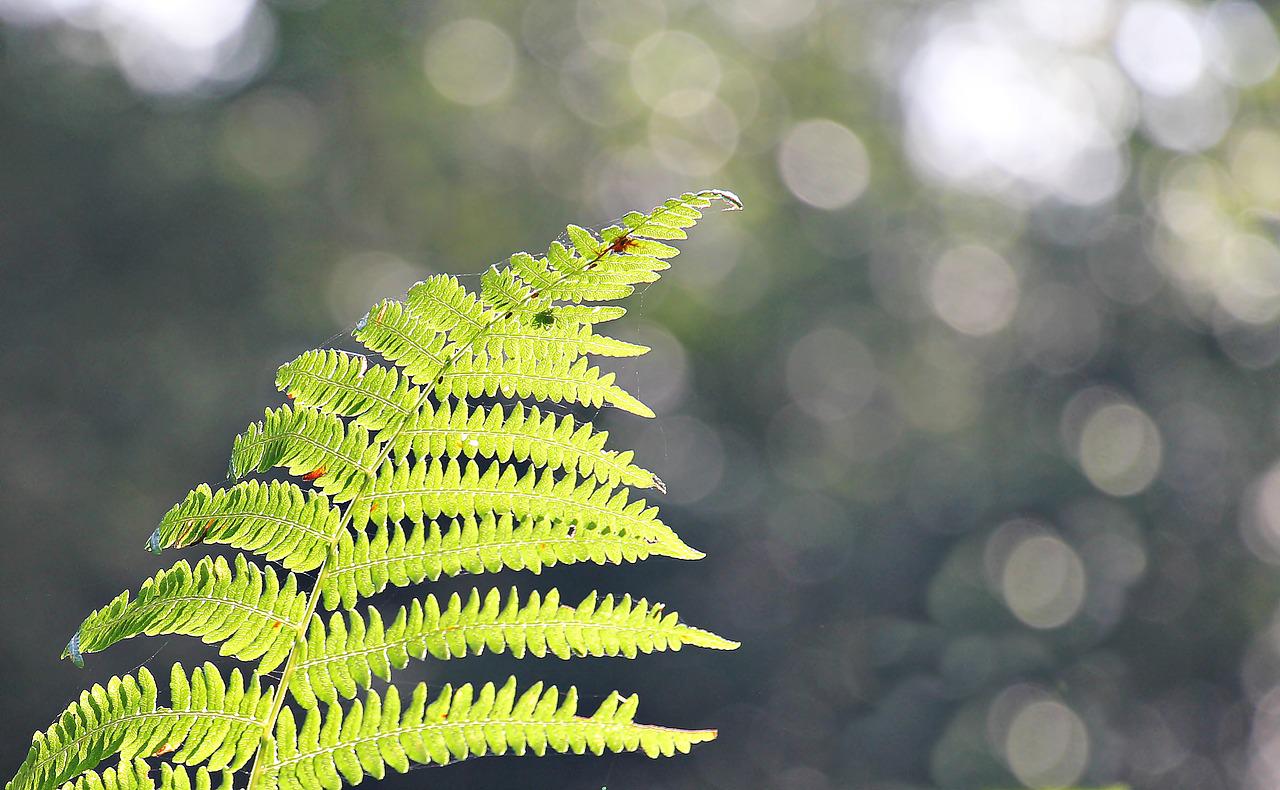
(974, 408)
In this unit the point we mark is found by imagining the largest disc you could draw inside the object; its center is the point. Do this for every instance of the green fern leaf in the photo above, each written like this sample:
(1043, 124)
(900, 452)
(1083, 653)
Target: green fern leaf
(506, 295)
(248, 610)
(210, 720)
(277, 520)
(564, 379)
(415, 345)
(336, 458)
(336, 382)
(419, 349)
(523, 435)
(344, 746)
(128, 775)
(516, 338)
(583, 314)
(431, 489)
(366, 565)
(344, 657)
(175, 777)
(446, 305)
(577, 281)
(135, 774)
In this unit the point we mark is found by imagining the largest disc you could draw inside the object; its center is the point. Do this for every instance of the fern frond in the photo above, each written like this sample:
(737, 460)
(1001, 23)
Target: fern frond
(445, 305)
(392, 331)
(210, 720)
(563, 379)
(582, 314)
(428, 489)
(507, 296)
(417, 348)
(366, 565)
(175, 777)
(604, 268)
(345, 384)
(128, 775)
(523, 435)
(248, 610)
(135, 774)
(344, 746)
(343, 657)
(415, 345)
(278, 520)
(382, 444)
(518, 338)
(334, 457)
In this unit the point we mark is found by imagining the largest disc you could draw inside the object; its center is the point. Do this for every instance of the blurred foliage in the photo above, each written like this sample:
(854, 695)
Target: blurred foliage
(973, 407)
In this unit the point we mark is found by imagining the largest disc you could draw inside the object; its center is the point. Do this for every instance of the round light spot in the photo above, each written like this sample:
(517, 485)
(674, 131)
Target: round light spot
(1255, 153)
(1248, 283)
(272, 136)
(471, 62)
(1073, 22)
(830, 374)
(1262, 516)
(1043, 581)
(588, 85)
(611, 29)
(1120, 449)
(195, 46)
(974, 290)
(697, 143)
(1242, 42)
(764, 15)
(359, 280)
(994, 110)
(675, 72)
(1191, 121)
(1047, 745)
(1158, 43)
(824, 164)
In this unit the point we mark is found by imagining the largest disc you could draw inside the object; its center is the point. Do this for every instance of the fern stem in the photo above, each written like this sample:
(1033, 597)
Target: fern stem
(313, 597)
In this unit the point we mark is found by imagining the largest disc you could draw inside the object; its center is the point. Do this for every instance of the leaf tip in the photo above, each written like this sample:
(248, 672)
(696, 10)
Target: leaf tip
(72, 651)
(731, 200)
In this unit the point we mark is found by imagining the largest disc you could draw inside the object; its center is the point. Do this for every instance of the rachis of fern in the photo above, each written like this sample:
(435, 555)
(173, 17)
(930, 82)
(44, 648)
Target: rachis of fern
(411, 468)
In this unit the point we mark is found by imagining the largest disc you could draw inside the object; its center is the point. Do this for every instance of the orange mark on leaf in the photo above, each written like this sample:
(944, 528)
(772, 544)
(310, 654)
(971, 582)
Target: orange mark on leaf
(290, 395)
(314, 473)
(164, 749)
(276, 623)
(622, 244)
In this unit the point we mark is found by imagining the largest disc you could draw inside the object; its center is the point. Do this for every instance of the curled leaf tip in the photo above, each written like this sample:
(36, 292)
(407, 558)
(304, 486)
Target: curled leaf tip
(73, 651)
(732, 201)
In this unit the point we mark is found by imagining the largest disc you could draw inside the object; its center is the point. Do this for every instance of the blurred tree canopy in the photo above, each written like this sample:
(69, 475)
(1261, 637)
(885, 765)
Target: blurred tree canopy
(974, 409)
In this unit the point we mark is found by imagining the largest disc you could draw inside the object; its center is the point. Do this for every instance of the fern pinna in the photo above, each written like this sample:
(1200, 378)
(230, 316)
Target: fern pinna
(414, 471)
